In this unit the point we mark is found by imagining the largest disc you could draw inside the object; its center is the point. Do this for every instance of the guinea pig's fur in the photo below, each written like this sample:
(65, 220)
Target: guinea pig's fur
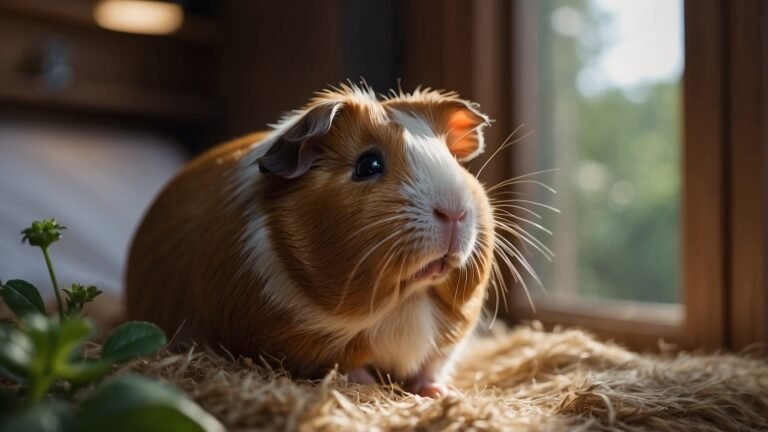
(271, 244)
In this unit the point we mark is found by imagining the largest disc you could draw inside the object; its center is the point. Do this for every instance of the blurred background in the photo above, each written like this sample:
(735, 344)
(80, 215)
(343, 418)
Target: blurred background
(603, 96)
(101, 101)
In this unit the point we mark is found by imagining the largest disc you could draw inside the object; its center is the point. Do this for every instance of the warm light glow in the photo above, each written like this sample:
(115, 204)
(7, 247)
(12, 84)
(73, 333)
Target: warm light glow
(139, 16)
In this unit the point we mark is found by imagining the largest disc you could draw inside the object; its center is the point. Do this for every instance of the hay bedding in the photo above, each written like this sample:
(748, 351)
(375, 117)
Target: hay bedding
(521, 379)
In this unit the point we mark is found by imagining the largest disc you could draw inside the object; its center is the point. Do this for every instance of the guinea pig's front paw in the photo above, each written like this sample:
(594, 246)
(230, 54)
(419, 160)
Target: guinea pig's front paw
(431, 389)
(436, 390)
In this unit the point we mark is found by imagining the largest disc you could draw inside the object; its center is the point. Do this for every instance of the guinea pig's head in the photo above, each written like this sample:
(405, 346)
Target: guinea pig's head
(368, 201)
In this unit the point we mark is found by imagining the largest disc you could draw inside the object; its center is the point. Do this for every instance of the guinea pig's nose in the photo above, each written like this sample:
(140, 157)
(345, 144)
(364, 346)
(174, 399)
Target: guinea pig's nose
(449, 216)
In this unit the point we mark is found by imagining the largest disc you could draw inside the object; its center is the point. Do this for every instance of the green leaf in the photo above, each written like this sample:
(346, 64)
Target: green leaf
(71, 336)
(58, 348)
(84, 372)
(41, 331)
(131, 340)
(52, 416)
(16, 353)
(136, 403)
(54, 352)
(22, 297)
(67, 362)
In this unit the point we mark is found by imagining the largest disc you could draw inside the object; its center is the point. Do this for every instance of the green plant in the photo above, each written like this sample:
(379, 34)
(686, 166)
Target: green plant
(47, 360)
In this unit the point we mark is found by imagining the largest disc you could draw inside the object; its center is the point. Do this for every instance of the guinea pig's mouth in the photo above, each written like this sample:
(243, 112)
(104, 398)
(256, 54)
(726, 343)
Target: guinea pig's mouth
(434, 269)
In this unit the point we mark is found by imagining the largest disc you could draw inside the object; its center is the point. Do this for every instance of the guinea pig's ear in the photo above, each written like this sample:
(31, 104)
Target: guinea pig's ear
(464, 129)
(295, 150)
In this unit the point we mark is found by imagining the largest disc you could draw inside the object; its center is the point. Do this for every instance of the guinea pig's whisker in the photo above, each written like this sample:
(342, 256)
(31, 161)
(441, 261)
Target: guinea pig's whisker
(400, 283)
(517, 179)
(502, 220)
(524, 176)
(516, 273)
(505, 253)
(463, 280)
(517, 207)
(475, 257)
(462, 277)
(503, 214)
(515, 252)
(510, 222)
(382, 271)
(501, 283)
(524, 201)
(359, 263)
(498, 194)
(510, 182)
(497, 281)
(476, 272)
(529, 269)
(520, 233)
(506, 144)
(497, 278)
(379, 222)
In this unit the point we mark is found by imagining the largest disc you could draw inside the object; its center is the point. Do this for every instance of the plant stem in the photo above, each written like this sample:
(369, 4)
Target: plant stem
(55, 284)
(38, 389)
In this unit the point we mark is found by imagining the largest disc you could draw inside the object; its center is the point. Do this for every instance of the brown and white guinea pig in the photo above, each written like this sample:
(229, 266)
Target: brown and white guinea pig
(349, 235)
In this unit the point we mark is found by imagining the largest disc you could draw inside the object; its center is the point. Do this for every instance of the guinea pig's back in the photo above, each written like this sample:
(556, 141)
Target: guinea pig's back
(188, 236)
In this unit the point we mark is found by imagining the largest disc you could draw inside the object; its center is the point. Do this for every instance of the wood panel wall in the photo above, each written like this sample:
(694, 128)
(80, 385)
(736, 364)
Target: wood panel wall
(746, 24)
(274, 56)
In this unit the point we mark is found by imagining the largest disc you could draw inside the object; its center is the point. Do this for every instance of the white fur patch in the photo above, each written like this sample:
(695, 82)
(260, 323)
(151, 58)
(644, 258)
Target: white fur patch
(405, 338)
(442, 368)
(414, 125)
(437, 182)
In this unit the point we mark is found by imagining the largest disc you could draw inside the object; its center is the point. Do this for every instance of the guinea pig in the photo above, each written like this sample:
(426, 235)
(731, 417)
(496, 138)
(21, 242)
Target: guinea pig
(351, 236)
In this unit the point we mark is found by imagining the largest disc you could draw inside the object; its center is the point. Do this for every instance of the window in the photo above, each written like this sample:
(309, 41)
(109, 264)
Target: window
(605, 101)
(631, 103)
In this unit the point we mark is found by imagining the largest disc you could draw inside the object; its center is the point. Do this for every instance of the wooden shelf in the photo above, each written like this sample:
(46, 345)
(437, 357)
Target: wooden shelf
(111, 98)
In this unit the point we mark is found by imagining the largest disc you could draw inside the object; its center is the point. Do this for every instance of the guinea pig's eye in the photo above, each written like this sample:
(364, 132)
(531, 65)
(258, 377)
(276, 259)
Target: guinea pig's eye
(368, 165)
